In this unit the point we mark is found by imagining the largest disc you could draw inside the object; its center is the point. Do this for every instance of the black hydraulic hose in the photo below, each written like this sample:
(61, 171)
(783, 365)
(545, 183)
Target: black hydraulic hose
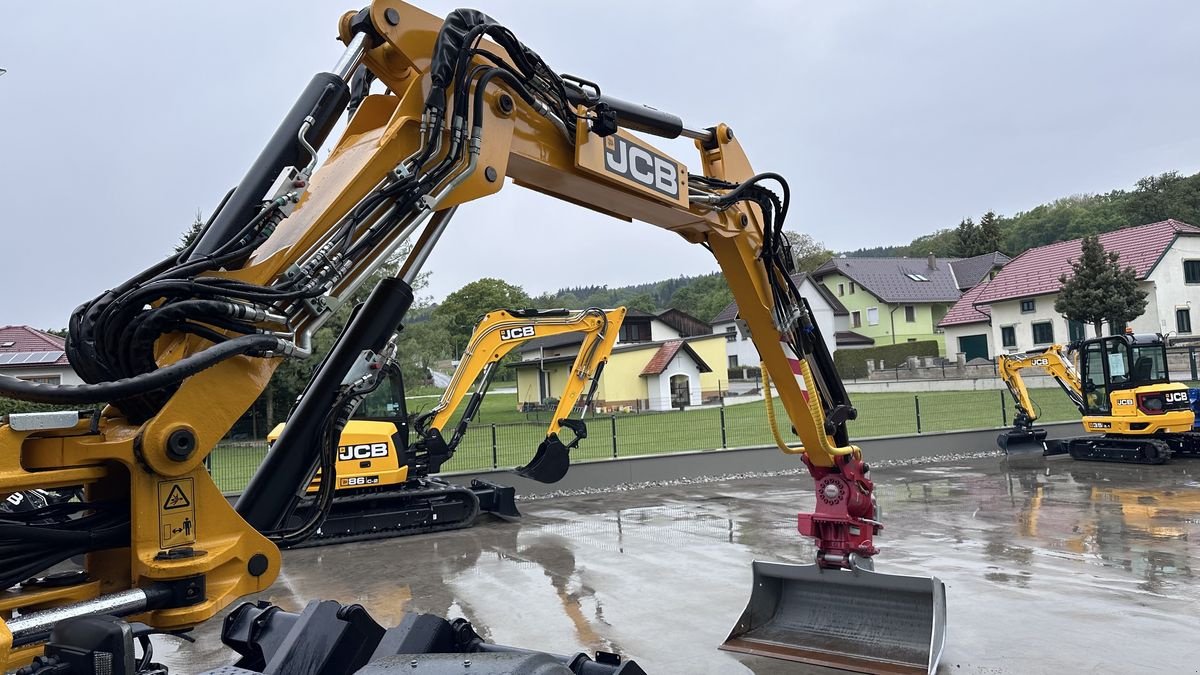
(22, 390)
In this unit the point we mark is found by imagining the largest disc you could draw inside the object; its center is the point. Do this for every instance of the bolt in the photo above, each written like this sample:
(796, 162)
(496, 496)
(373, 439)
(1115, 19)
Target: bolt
(505, 103)
(392, 16)
(490, 174)
(180, 445)
(728, 134)
(745, 220)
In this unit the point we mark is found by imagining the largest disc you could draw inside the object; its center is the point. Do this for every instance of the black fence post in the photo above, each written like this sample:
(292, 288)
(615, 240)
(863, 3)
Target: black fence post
(614, 435)
(723, 439)
(495, 451)
(917, 404)
(1192, 359)
(1003, 410)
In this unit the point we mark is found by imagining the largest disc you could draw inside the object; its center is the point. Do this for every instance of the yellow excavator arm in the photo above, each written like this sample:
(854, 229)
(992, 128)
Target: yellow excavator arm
(181, 350)
(1057, 363)
(497, 334)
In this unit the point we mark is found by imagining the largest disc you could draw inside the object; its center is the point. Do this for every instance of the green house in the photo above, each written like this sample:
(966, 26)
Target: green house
(897, 300)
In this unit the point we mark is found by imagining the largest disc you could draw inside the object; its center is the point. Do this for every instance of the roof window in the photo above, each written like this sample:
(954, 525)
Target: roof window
(917, 277)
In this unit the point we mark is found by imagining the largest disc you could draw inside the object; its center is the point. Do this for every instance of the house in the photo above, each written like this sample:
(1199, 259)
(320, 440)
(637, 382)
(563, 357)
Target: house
(658, 363)
(1014, 311)
(896, 300)
(30, 354)
(830, 315)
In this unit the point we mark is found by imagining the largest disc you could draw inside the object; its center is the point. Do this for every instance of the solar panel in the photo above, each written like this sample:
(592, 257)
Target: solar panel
(29, 358)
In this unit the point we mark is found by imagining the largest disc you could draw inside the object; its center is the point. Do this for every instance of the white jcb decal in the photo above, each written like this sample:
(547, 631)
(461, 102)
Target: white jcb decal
(640, 164)
(1176, 396)
(1124, 401)
(1040, 362)
(516, 333)
(365, 451)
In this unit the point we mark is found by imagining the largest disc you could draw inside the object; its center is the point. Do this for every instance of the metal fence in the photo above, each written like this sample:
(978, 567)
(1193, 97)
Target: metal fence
(506, 445)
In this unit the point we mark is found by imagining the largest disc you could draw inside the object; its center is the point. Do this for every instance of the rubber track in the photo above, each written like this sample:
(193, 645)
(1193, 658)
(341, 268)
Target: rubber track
(406, 493)
(1126, 445)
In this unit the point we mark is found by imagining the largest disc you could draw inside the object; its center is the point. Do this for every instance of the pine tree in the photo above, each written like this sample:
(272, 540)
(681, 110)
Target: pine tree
(966, 238)
(190, 235)
(1099, 289)
(987, 239)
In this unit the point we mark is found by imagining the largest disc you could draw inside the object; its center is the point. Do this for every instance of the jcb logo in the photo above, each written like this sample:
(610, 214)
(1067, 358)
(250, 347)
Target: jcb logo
(1124, 401)
(365, 451)
(1040, 362)
(641, 165)
(1176, 397)
(15, 499)
(516, 333)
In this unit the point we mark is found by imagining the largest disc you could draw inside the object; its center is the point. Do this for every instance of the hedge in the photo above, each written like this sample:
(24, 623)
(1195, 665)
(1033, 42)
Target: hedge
(852, 363)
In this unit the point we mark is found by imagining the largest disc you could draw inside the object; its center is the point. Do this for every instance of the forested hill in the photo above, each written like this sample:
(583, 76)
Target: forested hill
(701, 296)
(1150, 200)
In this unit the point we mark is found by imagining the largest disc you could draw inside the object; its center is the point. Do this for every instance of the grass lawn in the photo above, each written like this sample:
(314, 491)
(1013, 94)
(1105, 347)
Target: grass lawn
(518, 434)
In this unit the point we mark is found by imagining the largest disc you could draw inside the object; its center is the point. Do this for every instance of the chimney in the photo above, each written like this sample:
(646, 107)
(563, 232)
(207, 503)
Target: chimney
(932, 261)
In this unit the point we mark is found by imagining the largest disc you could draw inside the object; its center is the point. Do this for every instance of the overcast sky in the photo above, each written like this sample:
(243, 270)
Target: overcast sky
(890, 119)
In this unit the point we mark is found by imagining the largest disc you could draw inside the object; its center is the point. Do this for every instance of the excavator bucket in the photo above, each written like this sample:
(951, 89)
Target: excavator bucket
(1023, 442)
(499, 500)
(854, 620)
(550, 463)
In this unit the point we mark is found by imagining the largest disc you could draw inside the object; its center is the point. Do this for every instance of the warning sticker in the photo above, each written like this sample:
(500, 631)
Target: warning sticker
(176, 513)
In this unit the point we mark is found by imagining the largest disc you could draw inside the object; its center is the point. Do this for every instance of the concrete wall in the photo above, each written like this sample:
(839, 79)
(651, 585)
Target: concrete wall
(964, 384)
(605, 473)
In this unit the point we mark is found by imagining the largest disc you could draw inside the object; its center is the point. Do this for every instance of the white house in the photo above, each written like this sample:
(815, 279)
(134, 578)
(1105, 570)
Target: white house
(828, 312)
(29, 354)
(1014, 311)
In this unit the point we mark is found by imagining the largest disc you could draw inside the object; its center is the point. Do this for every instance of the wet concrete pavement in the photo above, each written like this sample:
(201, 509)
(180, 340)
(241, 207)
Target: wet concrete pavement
(1058, 567)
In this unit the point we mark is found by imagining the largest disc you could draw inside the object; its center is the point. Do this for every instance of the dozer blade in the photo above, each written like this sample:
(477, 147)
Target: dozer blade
(855, 620)
(550, 463)
(496, 499)
(1021, 442)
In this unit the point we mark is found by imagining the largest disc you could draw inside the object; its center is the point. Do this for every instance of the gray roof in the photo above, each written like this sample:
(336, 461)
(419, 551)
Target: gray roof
(888, 280)
(970, 271)
(730, 312)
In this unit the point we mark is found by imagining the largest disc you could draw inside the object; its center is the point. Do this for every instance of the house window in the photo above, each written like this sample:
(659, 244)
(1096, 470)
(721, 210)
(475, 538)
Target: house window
(910, 313)
(634, 332)
(1075, 330)
(855, 320)
(841, 290)
(1008, 336)
(731, 334)
(853, 287)
(872, 316)
(1043, 333)
(1191, 271)
(1028, 306)
(42, 379)
(733, 361)
(1183, 320)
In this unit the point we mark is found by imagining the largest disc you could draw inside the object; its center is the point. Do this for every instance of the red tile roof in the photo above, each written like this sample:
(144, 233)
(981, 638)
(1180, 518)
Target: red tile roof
(1036, 271)
(27, 340)
(658, 363)
(964, 311)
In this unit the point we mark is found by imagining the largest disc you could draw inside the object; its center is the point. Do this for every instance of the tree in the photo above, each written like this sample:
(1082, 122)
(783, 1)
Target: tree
(966, 238)
(642, 302)
(987, 238)
(808, 253)
(460, 311)
(1099, 289)
(703, 299)
(190, 235)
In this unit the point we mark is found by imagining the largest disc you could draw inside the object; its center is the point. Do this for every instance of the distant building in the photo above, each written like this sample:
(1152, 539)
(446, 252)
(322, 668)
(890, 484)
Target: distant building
(830, 316)
(658, 363)
(36, 356)
(897, 300)
(1014, 311)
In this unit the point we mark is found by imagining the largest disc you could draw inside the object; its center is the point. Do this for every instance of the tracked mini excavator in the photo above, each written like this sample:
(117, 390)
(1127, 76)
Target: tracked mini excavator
(385, 482)
(182, 349)
(1130, 407)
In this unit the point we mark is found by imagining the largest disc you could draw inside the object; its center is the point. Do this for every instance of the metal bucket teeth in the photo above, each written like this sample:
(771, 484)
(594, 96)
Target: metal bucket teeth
(855, 620)
(550, 463)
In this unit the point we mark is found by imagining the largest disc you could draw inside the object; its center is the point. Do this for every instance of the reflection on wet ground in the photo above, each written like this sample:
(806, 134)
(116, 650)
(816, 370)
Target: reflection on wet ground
(1058, 567)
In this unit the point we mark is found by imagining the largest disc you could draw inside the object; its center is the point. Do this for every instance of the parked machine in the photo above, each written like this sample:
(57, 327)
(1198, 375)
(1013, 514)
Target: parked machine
(1123, 391)
(384, 476)
(181, 350)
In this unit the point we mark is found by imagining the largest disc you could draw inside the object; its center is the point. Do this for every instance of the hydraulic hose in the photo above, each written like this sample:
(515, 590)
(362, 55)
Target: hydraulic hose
(60, 394)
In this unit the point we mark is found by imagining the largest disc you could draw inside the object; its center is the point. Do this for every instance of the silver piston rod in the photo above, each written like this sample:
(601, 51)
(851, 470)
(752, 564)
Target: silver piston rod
(35, 626)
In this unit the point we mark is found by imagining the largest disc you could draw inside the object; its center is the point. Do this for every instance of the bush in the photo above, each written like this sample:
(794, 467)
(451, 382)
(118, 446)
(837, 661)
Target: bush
(852, 363)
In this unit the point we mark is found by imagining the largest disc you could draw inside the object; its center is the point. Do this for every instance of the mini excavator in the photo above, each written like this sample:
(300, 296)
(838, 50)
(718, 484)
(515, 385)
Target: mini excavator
(1124, 393)
(385, 483)
(180, 351)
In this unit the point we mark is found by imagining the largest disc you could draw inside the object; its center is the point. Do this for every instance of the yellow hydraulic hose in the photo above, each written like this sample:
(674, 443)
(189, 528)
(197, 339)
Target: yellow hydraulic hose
(814, 409)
